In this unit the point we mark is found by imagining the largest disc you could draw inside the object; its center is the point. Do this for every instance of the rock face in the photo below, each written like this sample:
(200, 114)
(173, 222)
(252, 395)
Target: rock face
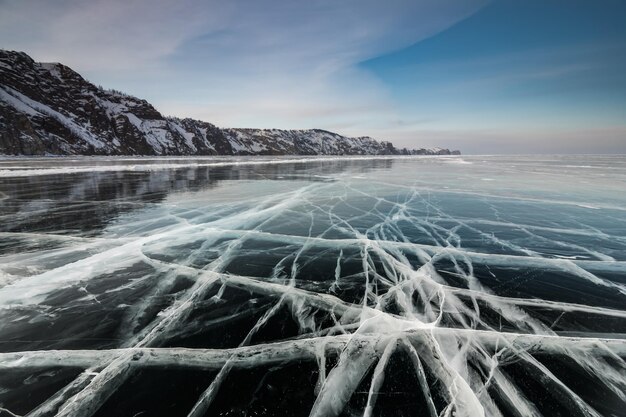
(49, 109)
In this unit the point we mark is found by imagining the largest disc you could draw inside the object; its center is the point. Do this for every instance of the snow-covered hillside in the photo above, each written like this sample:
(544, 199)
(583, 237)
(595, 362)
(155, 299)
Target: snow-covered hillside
(49, 109)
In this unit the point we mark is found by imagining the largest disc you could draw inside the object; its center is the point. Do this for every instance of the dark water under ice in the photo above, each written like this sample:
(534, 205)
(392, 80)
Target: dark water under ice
(429, 286)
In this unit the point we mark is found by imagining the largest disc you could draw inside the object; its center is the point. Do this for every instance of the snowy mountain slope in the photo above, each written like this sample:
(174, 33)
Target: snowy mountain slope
(49, 109)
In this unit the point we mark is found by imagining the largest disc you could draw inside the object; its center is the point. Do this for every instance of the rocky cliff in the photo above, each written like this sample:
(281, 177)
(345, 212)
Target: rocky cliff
(49, 109)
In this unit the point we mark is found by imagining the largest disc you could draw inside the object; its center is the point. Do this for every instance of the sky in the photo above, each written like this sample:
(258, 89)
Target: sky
(485, 77)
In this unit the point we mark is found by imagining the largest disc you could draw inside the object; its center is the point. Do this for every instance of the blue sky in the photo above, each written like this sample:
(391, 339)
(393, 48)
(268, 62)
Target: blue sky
(545, 68)
(501, 76)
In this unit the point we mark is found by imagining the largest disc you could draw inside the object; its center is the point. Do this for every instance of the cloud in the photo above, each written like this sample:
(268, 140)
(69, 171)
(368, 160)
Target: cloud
(100, 34)
(238, 62)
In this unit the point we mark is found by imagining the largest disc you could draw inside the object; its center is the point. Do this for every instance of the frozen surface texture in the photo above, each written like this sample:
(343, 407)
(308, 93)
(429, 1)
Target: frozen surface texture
(401, 286)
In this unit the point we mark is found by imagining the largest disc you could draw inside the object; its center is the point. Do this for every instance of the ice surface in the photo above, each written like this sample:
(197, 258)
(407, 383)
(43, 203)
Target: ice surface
(313, 286)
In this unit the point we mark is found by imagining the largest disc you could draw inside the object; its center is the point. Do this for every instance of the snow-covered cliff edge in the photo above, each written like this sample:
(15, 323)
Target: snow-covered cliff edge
(49, 109)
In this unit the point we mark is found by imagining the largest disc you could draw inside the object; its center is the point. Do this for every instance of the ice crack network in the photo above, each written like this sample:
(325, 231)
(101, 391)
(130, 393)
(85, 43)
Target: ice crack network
(373, 287)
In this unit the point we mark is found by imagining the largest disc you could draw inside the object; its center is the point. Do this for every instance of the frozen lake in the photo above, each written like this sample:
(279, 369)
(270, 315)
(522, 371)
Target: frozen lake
(381, 286)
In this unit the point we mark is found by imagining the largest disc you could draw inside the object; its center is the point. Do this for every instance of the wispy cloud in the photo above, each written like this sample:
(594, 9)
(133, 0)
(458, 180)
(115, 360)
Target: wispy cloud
(237, 62)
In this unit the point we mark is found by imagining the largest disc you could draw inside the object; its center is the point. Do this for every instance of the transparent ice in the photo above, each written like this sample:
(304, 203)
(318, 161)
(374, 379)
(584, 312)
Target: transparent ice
(435, 286)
